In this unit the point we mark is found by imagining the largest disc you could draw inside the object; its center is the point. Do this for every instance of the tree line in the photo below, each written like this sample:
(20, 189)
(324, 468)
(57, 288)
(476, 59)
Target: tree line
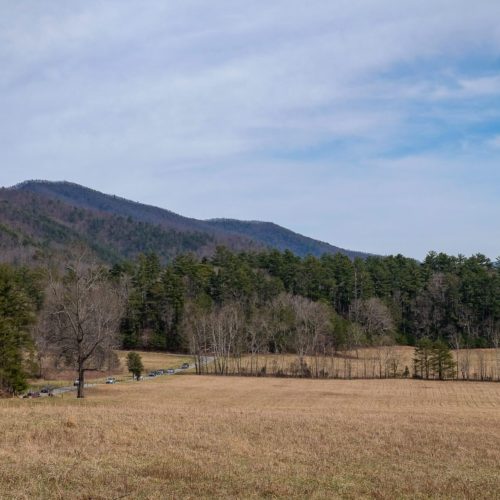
(233, 310)
(236, 307)
(455, 299)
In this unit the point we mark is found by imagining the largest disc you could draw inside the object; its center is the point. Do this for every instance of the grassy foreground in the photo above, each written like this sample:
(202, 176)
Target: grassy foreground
(215, 437)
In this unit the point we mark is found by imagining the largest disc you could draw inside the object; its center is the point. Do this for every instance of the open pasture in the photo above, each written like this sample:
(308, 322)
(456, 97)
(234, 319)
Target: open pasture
(368, 362)
(234, 437)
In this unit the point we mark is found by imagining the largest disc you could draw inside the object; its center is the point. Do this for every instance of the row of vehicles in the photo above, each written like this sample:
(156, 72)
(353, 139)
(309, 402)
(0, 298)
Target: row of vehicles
(110, 380)
(168, 371)
(36, 394)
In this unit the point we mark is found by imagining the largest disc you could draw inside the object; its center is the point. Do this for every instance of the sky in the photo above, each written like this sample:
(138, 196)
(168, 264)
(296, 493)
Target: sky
(372, 125)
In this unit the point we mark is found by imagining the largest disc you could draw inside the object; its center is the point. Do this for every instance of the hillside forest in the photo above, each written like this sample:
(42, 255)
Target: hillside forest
(41, 218)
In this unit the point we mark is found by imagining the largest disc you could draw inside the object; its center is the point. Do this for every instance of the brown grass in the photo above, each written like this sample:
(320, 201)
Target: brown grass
(231, 437)
(474, 364)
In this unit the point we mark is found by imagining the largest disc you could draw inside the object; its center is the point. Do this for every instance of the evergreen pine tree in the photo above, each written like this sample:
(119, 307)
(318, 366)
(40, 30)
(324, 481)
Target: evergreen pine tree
(134, 364)
(16, 315)
(441, 361)
(422, 359)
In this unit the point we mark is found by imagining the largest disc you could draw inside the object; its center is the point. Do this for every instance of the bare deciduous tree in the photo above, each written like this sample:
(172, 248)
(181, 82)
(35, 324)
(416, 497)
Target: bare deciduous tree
(84, 309)
(375, 318)
(41, 333)
(494, 335)
(258, 337)
(195, 325)
(224, 324)
(312, 321)
(215, 332)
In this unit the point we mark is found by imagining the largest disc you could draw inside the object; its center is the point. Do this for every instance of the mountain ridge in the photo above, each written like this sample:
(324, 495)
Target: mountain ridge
(119, 220)
(280, 237)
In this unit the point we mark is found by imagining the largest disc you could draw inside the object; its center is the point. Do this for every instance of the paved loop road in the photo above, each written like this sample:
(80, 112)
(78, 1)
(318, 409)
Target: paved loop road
(62, 390)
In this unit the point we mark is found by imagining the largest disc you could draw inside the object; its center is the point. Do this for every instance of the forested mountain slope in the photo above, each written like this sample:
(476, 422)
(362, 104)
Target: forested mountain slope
(280, 238)
(87, 198)
(32, 226)
(45, 214)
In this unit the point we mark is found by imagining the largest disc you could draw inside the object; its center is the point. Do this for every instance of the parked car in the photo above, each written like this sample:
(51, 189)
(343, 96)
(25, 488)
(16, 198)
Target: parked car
(76, 383)
(170, 371)
(160, 372)
(47, 390)
(32, 394)
(152, 374)
(185, 366)
(111, 380)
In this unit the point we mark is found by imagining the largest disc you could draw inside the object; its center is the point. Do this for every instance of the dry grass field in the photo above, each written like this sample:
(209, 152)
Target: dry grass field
(474, 364)
(233, 437)
(363, 363)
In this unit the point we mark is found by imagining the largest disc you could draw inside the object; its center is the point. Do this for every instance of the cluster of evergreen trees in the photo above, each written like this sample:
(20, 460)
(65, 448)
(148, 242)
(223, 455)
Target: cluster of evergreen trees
(433, 360)
(455, 299)
(20, 298)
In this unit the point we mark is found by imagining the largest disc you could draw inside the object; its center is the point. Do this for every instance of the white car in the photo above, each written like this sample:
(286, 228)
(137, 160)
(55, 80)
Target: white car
(111, 380)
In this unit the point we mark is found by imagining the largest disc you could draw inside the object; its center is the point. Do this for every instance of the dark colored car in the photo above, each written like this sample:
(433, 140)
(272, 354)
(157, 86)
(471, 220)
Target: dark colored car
(152, 374)
(185, 366)
(46, 390)
(32, 394)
